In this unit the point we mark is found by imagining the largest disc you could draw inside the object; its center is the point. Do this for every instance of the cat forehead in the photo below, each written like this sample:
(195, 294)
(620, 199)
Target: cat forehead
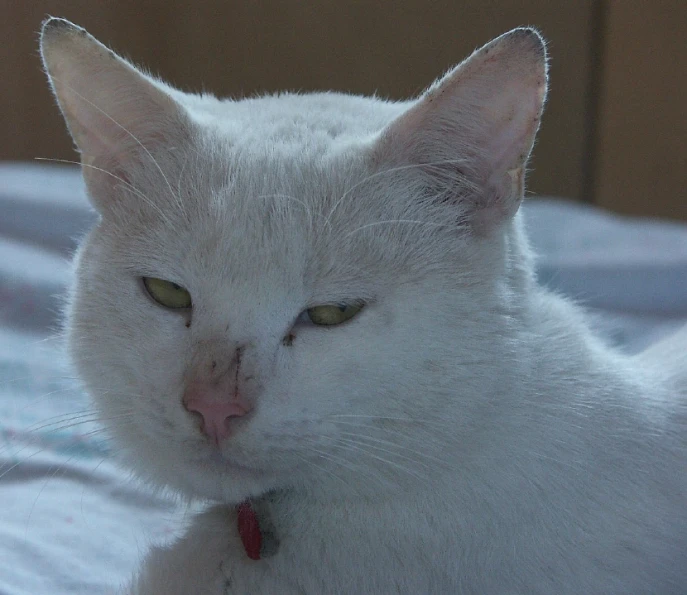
(262, 210)
(310, 122)
(258, 225)
(275, 182)
(304, 148)
(284, 157)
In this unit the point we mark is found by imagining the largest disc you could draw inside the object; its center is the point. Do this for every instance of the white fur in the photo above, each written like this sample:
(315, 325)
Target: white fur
(465, 433)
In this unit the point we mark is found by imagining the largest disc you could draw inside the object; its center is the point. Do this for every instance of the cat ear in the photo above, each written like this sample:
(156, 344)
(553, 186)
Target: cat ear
(469, 136)
(116, 114)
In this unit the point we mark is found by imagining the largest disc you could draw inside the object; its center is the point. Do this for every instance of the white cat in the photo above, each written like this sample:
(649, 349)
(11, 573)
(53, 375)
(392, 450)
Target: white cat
(323, 307)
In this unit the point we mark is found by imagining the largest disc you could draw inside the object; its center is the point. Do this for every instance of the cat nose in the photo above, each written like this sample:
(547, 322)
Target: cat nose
(216, 415)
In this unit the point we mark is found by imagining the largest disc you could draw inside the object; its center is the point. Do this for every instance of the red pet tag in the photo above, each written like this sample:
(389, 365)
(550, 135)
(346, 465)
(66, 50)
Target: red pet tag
(249, 530)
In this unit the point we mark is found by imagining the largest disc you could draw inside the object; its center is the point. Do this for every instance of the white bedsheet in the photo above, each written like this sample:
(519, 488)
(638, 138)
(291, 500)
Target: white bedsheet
(70, 520)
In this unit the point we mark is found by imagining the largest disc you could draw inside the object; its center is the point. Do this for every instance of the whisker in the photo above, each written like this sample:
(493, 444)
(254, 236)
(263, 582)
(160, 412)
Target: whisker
(294, 199)
(59, 419)
(15, 465)
(398, 446)
(408, 420)
(83, 489)
(67, 424)
(320, 467)
(418, 443)
(52, 475)
(342, 462)
(180, 203)
(388, 172)
(100, 169)
(350, 444)
(389, 221)
(360, 441)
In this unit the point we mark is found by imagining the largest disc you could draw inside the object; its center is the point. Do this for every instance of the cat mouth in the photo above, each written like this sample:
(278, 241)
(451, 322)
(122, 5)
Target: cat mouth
(216, 461)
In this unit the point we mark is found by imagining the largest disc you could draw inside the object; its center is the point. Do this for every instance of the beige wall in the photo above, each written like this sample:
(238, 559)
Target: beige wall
(641, 133)
(394, 48)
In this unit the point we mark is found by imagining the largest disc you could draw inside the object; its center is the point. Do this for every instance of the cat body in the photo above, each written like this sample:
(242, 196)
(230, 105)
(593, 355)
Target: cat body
(349, 335)
(592, 501)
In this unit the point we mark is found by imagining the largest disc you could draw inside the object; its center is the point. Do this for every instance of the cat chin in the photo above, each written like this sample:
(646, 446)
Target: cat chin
(214, 477)
(233, 474)
(228, 488)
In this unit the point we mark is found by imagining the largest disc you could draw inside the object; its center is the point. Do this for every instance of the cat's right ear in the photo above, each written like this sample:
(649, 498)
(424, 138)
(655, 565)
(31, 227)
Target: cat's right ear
(116, 114)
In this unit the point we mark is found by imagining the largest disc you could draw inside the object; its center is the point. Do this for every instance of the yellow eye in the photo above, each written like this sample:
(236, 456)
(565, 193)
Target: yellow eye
(166, 293)
(332, 314)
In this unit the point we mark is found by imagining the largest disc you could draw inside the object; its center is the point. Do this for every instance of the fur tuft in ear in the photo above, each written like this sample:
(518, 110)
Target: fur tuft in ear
(472, 131)
(115, 114)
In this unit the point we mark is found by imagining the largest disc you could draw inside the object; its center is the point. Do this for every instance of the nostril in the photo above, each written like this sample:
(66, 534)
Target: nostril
(217, 409)
(195, 414)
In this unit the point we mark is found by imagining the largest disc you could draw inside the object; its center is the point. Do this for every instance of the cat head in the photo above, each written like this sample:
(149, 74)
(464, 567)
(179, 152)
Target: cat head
(308, 291)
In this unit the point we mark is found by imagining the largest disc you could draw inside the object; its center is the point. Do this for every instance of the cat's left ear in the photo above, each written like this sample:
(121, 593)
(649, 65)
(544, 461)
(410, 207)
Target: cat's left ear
(467, 139)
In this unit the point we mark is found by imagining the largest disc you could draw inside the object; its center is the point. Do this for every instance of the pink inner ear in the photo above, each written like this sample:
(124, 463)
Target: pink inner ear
(117, 115)
(515, 118)
(494, 115)
(115, 124)
(110, 107)
(485, 112)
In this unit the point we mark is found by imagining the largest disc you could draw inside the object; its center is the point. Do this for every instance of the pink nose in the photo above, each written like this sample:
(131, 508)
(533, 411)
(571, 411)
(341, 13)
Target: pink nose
(217, 416)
